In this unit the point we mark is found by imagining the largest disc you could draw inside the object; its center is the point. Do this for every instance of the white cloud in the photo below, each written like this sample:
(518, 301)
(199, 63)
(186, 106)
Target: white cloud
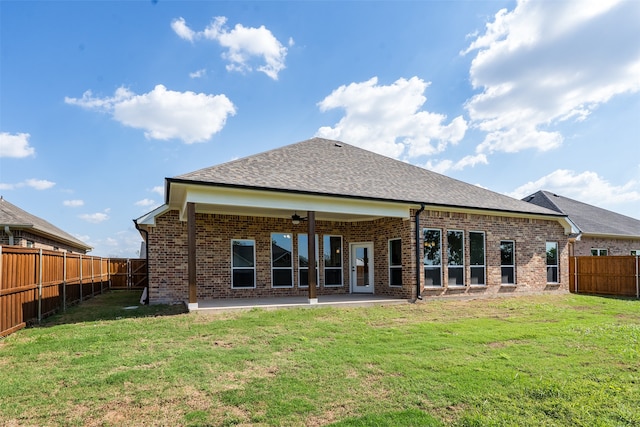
(36, 184)
(587, 187)
(243, 44)
(159, 189)
(146, 203)
(388, 119)
(164, 114)
(39, 184)
(197, 74)
(15, 145)
(182, 30)
(547, 62)
(95, 218)
(73, 203)
(447, 165)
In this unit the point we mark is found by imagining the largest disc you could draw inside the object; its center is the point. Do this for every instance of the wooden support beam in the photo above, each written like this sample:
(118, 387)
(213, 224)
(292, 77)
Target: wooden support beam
(191, 241)
(311, 239)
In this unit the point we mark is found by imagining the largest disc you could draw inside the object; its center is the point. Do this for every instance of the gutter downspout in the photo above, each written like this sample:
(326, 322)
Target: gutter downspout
(146, 255)
(418, 269)
(9, 233)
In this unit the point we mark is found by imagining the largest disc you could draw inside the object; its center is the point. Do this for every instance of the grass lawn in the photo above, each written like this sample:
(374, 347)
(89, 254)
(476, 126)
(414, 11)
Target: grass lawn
(553, 360)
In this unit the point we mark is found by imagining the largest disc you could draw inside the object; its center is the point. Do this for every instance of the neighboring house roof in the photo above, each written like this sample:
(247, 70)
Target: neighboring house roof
(17, 219)
(325, 167)
(589, 219)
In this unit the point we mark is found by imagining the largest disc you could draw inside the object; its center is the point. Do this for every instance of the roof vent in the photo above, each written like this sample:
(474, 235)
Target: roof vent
(337, 144)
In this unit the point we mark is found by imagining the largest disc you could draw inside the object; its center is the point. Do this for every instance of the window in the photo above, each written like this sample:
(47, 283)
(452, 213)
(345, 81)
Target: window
(332, 250)
(508, 262)
(635, 252)
(30, 244)
(243, 264)
(432, 240)
(599, 252)
(395, 262)
(281, 260)
(552, 262)
(303, 261)
(476, 257)
(455, 256)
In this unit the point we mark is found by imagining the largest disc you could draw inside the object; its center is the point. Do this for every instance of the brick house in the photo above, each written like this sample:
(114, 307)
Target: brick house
(597, 231)
(20, 228)
(382, 226)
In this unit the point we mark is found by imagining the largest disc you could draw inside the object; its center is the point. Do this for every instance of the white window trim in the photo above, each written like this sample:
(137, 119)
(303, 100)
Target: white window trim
(515, 278)
(461, 267)
(281, 268)
(394, 267)
(600, 250)
(307, 268)
(430, 266)
(244, 268)
(557, 264)
(637, 252)
(341, 268)
(484, 259)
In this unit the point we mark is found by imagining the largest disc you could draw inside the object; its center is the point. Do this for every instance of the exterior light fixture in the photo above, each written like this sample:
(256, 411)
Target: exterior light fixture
(295, 218)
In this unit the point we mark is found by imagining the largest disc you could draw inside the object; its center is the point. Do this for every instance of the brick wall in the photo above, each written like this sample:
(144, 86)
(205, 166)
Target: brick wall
(168, 272)
(530, 237)
(583, 246)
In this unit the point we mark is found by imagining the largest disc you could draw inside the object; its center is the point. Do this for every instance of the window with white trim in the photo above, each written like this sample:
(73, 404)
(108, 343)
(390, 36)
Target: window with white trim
(635, 252)
(552, 262)
(599, 252)
(432, 242)
(395, 262)
(477, 257)
(332, 251)
(508, 262)
(455, 257)
(281, 260)
(243, 264)
(303, 261)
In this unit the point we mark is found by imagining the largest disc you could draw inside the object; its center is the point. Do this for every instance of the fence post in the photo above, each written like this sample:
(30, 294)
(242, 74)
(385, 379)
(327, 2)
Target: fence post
(40, 286)
(80, 278)
(64, 281)
(637, 277)
(575, 274)
(93, 276)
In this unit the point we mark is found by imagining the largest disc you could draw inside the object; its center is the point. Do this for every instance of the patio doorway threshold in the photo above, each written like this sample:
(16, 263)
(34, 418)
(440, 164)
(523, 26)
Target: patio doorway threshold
(347, 300)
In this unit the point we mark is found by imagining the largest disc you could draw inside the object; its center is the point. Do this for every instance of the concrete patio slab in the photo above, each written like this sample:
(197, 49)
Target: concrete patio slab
(348, 300)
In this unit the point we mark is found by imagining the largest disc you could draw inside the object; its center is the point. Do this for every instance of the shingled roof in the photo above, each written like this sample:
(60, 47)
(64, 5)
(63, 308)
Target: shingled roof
(16, 218)
(326, 167)
(588, 218)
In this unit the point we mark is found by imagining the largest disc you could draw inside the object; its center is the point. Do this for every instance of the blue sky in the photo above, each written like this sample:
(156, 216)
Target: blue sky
(100, 101)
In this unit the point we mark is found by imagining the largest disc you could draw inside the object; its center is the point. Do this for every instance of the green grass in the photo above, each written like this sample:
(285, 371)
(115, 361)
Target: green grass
(553, 360)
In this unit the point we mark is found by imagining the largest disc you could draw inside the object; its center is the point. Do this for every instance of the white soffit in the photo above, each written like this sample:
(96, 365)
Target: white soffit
(282, 204)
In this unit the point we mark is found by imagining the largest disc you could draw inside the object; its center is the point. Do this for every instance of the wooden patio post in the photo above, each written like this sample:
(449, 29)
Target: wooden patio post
(311, 239)
(191, 241)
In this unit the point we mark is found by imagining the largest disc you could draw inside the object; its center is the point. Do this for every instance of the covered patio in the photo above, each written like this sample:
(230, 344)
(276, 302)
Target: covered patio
(343, 300)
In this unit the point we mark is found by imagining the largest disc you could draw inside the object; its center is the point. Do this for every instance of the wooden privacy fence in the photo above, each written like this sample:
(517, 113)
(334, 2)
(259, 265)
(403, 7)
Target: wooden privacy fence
(128, 273)
(35, 283)
(605, 275)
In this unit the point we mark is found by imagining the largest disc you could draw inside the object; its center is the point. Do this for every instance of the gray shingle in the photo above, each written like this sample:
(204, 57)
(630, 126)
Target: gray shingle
(13, 216)
(588, 218)
(322, 166)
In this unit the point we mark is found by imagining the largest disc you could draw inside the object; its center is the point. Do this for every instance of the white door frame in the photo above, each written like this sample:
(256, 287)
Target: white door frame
(353, 267)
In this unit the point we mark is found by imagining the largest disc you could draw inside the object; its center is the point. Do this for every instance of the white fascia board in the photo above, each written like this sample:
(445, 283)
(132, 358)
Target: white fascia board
(150, 218)
(290, 201)
(569, 227)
